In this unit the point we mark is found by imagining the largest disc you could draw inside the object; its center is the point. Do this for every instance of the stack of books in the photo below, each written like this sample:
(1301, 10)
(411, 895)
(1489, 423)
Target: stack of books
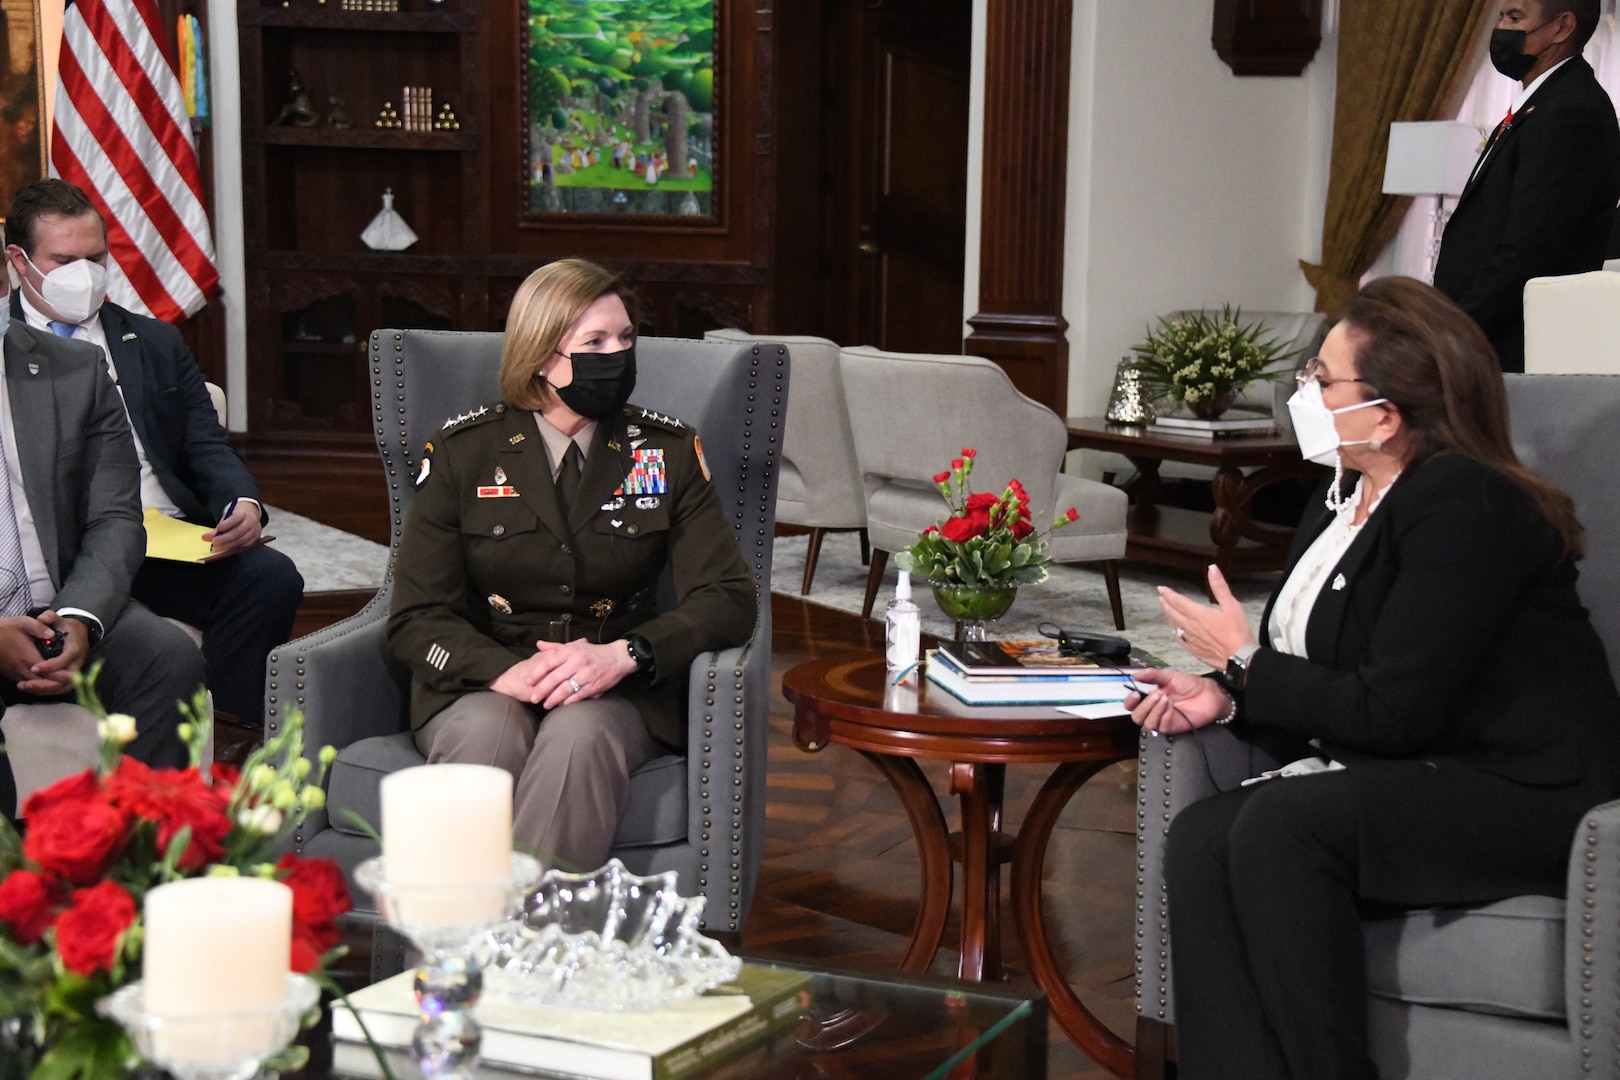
(1030, 672)
(684, 1039)
(1230, 424)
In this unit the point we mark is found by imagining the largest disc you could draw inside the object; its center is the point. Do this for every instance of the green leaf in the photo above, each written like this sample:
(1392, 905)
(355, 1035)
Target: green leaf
(95, 1049)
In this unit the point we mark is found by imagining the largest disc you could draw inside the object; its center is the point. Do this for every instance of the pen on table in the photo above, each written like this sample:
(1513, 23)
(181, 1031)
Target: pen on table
(905, 672)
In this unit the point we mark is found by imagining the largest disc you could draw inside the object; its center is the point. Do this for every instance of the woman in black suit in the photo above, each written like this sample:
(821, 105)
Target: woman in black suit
(1428, 668)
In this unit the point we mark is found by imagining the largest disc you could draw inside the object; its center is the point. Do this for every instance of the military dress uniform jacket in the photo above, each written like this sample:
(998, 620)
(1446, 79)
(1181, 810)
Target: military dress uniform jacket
(488, 564)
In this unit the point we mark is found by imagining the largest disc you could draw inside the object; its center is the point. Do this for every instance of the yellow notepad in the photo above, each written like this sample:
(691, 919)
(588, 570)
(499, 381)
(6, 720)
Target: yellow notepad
(171, 538)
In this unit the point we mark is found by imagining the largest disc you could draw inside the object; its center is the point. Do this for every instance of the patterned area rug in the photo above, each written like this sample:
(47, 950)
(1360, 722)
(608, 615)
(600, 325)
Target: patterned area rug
(330, 559)
(1074, 597)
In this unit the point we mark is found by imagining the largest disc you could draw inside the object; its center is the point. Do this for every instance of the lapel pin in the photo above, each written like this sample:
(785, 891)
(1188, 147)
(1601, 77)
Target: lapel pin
(1338, 583)
(500, 603)
(129, 337)
(613, 445)
(33, 369)
(514, 440)
(500, 475)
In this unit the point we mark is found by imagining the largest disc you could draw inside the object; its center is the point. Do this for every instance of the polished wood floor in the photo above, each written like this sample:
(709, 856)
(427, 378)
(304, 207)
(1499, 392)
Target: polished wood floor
(839, 879)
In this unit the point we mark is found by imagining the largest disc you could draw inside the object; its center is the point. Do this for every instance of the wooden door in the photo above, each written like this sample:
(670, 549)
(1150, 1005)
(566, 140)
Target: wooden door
(905, 66)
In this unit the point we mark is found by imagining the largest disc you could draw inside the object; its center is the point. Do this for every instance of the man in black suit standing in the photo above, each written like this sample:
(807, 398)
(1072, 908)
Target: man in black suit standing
(244, 605)
(70, 543)
(1542, 196)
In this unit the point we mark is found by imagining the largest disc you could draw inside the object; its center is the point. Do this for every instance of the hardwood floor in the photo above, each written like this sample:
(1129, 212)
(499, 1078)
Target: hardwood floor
(839, 879)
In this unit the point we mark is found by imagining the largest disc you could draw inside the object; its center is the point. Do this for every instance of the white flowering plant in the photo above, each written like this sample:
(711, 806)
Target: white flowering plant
(1204, 361)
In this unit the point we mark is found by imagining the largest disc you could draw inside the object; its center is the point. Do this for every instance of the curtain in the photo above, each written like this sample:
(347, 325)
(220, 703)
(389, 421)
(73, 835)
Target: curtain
(1398, 60)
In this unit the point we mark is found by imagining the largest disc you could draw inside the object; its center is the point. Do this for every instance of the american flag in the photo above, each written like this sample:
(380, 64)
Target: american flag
(122, 135)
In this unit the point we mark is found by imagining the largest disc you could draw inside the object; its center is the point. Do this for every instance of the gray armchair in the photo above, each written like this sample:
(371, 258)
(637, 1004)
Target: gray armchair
(702, 815)
(819, 488)
(1525, 987)
(911, 413)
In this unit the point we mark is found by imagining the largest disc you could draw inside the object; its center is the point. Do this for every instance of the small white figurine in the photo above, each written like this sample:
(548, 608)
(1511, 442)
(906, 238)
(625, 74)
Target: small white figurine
(388, 231)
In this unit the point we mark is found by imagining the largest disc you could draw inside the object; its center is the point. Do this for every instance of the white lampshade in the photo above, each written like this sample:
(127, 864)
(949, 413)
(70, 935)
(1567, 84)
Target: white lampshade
(1431, 158)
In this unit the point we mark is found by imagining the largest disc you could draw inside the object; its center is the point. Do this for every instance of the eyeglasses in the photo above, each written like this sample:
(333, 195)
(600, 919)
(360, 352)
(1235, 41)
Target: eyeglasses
(1312, 373)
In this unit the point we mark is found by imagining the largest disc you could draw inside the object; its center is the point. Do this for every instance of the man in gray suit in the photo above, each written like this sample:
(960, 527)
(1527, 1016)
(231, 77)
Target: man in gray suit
(71, 541)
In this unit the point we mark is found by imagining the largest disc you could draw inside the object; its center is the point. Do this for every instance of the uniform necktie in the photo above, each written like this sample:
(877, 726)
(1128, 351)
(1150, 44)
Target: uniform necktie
(13, 571)
(63, 329)
(568, 476)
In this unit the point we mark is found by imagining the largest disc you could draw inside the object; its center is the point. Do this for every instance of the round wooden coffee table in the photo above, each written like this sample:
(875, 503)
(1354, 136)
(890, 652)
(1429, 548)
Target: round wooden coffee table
(847, 700)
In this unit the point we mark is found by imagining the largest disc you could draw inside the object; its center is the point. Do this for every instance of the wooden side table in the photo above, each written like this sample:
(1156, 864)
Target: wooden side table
(1188, 540)
(847, 700)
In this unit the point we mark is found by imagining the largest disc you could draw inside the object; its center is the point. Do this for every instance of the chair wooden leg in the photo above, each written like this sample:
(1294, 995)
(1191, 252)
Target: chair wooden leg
(1111, 576)
(1152, 1050)
(866, 548)
(812, 551)
(880, 559)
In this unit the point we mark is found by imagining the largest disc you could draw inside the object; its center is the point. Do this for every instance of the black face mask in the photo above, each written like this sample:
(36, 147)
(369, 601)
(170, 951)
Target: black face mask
(603, 383)
(1508, 55)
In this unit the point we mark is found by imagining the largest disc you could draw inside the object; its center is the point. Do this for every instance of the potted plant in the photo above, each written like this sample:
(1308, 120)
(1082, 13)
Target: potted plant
(1204, 361)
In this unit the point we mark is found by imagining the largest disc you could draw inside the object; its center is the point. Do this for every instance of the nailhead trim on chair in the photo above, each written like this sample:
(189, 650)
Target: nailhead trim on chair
(1162, 981)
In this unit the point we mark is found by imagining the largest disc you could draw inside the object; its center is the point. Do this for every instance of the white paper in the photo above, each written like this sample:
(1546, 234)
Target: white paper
(1097, 710)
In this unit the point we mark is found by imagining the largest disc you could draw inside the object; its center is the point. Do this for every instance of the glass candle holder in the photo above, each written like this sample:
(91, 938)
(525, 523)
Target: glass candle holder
(228, 1046)
(449, 923)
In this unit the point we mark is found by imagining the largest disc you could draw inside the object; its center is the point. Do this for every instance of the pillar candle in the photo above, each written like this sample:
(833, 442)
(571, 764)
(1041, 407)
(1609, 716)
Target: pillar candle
(446, 826)
(216, 946)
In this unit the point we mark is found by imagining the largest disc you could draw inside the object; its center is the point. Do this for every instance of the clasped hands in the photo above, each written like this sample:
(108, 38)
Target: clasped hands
(564, 672)
(21, 663)
(1181, 701)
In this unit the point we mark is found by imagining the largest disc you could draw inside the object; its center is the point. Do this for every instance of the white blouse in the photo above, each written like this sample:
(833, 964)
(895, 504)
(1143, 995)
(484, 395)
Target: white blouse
(1292, 611)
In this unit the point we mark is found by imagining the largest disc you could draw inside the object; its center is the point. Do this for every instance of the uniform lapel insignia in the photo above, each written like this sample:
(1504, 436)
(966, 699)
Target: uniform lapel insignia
(33, 369)
(615, 523)
(128, 337)
(602, 609)
(514, 440)
(1338, 583)
(632, 431)
(613, 445)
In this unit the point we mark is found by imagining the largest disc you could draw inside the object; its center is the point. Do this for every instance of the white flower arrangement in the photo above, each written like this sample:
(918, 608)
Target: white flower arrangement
(1201, 359)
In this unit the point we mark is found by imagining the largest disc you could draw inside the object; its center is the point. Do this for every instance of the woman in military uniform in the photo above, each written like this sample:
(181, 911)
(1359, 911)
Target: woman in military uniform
(524, 599)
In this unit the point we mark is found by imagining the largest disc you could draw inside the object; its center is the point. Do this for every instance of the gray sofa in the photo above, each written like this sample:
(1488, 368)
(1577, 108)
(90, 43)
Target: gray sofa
(1526, 987)
(701, 815)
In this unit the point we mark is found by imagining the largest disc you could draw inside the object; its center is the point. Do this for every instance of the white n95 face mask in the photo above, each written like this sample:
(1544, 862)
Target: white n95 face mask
(1314, 430)
(73, 290)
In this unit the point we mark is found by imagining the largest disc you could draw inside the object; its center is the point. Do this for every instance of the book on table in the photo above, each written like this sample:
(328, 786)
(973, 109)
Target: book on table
(1012, 690)
(1038, 659)
(1231, 422)
(680, 1040)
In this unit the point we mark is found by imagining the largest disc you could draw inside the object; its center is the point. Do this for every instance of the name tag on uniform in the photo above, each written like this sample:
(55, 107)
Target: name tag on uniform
(505, 491)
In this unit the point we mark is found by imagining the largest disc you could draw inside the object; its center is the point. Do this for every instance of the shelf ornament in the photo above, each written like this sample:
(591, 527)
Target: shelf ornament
(388, 231)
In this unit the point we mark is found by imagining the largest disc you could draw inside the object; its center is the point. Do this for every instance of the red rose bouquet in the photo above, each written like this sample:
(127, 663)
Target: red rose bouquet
(71, 891)
(988, 541)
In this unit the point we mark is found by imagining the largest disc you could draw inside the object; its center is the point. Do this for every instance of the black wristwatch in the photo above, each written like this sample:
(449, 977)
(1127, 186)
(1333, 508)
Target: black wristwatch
(90, 625)
(1237, 666)
(640, 650)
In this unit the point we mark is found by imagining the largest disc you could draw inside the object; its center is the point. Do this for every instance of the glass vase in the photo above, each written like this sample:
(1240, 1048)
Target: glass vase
(972, 606)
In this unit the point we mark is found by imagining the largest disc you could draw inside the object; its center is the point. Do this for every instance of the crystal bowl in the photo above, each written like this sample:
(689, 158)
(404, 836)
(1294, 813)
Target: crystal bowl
(608, 940)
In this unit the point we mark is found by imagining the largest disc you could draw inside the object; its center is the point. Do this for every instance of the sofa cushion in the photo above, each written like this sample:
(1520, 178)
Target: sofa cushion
(656, 813)
(1505, 958)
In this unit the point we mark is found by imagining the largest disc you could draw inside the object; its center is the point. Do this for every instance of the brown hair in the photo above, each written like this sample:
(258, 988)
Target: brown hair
(548, 303)
(1433, 362)
(44, 198)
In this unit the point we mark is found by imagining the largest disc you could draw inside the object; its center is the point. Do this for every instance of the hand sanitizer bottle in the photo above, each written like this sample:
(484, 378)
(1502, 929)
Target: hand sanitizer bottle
(902, 627)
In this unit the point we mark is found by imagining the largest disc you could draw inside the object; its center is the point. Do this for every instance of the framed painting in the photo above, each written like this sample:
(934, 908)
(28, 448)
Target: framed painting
(619, 99)
(22, 97)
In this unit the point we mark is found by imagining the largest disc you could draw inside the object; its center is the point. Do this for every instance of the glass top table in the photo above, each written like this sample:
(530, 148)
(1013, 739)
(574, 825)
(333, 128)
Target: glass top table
(858, 1025)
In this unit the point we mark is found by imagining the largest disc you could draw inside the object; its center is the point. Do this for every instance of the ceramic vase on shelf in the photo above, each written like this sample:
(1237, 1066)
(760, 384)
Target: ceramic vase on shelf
(972, 606)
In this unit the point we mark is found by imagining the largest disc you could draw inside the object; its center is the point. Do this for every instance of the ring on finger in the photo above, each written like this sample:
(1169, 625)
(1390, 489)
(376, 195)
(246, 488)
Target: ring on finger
(1181, 633)
(575, 684)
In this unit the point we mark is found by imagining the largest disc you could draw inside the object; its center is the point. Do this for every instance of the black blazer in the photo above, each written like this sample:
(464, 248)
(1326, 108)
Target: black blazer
(173, 416)
(1453, 669)
(1542, 203)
